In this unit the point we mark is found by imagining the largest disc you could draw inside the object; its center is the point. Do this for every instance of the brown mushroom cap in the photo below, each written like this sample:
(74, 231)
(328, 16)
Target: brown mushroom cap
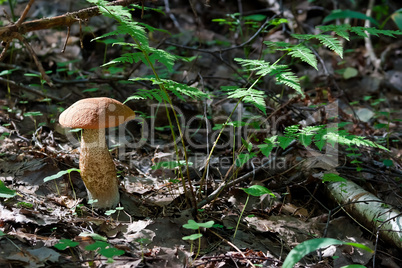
(96, 113)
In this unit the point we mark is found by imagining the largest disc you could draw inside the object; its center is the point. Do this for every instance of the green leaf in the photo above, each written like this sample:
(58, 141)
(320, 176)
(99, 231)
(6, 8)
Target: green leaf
(268, 146)
(282, 74)
(65, 243)
(250, 95)
(60, 174)
(257, 190)
(111, 252)
(191, 224)
(96, 245)
(343, 14)
(388, 162)
(248, 145)
(33, 114)
(176, 88)
(341, 30)
(192, 237)
(243, 158)
(255, 17)
(304, 53)
(350, 72)
(331, 42)
(207, 224)
(354, 266)
(6, 192)
(304, 248)
(332, 177)
(90, 90)
(397, 18)
(284, 142)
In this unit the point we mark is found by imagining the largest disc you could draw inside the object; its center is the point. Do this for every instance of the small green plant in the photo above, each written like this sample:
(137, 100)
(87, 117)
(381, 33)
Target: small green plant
(100, 246)
(61, 174)
(112, 211)
(33, 115)
(66, 243)
(5, 192)
(304, 248)
(254, 190)
(192, 225)
(105, 249)
(39, 76)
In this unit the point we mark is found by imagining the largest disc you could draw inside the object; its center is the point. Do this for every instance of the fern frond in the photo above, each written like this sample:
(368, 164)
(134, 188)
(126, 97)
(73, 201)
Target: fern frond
(261, 67)
(278, 45)
(341, 30)
(331, 42)
(299, 51)
(251, 95)
(147, 94)
(126, 58)
(176, 88)
(281, 73)
(304, 53)
(161, 56)
(284, 76)
(390, 33)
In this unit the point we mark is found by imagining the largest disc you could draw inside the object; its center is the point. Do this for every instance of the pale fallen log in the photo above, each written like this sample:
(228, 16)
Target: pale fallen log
(369, 210)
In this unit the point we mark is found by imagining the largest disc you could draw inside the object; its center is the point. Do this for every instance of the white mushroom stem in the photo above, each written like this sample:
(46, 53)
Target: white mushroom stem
(98, 170)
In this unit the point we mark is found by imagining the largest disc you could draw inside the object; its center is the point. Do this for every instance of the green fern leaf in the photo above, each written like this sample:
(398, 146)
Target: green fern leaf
(390, 33)
(161, 56)
(327, 40)
(148, 94)
(341, 30)
(298, 51)
(331, 42)
(253, 96)
(284, 76)
(360, 31)
(176, 88)
(280, 72)
(261, 67)
(304, 53)
(278, 45)
(126, 58)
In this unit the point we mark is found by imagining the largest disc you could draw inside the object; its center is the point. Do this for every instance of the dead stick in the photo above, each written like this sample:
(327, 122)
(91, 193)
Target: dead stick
(35, 58)
(24, 14)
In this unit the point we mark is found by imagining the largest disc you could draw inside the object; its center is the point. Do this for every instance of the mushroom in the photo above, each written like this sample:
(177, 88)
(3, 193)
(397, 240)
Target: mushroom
(93, 116)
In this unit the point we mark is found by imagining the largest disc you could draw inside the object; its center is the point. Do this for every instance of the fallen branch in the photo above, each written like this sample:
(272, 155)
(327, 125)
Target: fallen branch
(373, 215)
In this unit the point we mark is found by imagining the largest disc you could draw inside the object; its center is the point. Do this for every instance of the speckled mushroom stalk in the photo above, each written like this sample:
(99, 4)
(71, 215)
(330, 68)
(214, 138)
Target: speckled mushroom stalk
(98, 170)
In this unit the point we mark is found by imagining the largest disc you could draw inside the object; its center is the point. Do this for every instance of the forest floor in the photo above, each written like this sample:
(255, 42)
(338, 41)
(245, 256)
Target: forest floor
(50, 223)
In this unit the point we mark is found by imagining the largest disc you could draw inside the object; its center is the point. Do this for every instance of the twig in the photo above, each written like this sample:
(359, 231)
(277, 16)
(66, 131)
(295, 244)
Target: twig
(171, 15)
(367, 41)
(31, 90)
(234, 246)
(224, 184)
(24, 14)
(35, 58)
